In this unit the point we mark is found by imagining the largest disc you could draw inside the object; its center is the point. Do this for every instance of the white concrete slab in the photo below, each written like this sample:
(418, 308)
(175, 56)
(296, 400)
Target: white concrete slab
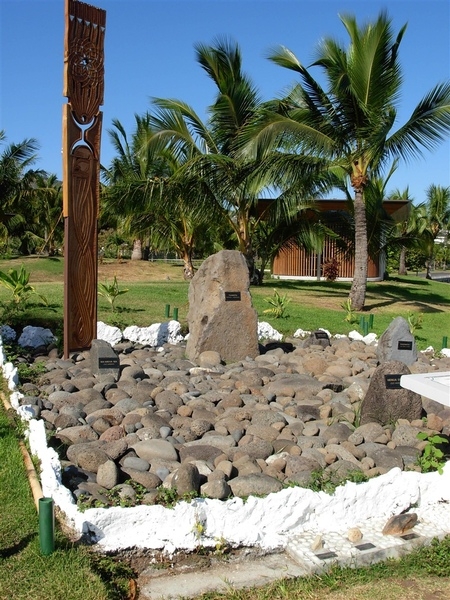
(435, 386)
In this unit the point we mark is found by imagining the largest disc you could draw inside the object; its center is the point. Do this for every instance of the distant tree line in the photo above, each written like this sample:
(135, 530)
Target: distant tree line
(248, 176)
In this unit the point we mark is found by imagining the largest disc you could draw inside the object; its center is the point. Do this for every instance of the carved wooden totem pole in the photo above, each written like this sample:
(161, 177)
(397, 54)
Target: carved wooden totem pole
(82, 121)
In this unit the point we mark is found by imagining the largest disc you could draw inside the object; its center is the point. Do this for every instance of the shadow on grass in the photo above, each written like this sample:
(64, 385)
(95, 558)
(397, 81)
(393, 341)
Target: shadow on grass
(128, 310)
(16, 548)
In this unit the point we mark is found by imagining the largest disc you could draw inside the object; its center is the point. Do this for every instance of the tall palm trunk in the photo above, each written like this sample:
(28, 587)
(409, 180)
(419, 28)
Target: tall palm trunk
(246, 247)
(137, 250)
(359, 285)
(188, 266)
(429, 265)
(402, 262)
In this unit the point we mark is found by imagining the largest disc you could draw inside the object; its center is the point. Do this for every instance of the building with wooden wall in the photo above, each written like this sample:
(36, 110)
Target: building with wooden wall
(293, 262)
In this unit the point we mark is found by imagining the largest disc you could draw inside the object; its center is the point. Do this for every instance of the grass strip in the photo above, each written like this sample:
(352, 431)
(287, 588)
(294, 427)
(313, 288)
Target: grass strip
(72, 571)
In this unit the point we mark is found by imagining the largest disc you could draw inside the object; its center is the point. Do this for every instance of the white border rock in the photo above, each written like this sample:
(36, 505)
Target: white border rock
(267, 522)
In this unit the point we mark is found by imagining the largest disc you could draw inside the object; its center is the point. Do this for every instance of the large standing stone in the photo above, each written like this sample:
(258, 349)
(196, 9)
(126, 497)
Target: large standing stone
(221, 315)
(397, 343)
(386, 401)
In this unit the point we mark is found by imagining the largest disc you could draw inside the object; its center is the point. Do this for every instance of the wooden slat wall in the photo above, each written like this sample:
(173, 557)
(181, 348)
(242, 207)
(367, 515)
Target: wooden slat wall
(295, 262)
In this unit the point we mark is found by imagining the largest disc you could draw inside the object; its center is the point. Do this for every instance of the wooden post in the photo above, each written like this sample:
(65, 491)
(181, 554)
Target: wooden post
(82, 121)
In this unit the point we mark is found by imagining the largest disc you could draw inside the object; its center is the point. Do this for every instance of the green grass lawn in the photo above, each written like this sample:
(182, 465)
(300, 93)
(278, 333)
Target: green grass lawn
(313, 304)
(70, 572)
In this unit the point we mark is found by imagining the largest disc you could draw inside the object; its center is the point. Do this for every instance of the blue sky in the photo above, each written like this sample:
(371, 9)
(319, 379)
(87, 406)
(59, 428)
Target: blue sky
(149, 52)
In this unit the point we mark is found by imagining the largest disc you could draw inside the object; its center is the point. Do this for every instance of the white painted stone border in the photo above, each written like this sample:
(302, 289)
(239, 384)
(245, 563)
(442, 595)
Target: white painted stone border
(267, 522)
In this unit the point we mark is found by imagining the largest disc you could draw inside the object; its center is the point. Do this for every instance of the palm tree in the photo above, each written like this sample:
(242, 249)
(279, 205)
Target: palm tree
(153, 201)
(409, 232)
(350, 124)
(437, 209)
(233, 183)
(45, 198)
(15, 177)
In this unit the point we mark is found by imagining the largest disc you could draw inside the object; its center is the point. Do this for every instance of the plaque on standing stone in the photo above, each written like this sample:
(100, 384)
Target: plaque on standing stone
(108, 362)
(404, 345)
(392, 381)
(221, 316)
(321, 335)
(317, 338)
(397, 343)
(386, 401)
(232, 296)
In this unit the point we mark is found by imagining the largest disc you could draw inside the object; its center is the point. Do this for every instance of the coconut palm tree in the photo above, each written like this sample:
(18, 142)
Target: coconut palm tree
(45, 200)
(16, 177)
(144, 188)
(409, 232)
(349, 123)
(233, 183)
(437, 209)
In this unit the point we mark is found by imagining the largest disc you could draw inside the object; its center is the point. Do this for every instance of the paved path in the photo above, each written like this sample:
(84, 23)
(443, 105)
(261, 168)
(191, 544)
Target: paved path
(299, 560)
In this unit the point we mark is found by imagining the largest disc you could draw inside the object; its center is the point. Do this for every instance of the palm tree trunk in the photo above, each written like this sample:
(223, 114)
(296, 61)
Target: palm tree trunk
(402, 262)
(246, 247)
(188, 266)
(359, 286)
(137, 250)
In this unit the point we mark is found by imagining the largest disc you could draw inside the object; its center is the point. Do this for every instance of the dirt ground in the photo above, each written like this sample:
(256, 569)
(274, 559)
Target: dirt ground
(139, 270)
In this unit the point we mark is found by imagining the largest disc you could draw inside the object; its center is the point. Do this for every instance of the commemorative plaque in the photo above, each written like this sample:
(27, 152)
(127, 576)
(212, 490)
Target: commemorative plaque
(392, 381)
(232, 296)
(404, 345)
(321, 335)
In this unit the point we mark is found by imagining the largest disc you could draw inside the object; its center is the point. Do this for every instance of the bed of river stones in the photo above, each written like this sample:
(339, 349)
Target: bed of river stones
(219, 430)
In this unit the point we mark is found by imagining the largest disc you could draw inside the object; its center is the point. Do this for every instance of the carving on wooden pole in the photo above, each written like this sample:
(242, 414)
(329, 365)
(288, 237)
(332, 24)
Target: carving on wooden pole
(82, 121)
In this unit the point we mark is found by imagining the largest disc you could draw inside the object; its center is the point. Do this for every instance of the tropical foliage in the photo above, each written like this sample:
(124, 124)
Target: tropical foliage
(247, 176)
(437, 218)
(348, 125)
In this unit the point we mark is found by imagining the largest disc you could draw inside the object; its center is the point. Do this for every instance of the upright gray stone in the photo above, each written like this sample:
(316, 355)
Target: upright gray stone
(386, 401)
(104, 360)
(221, 316)
(317, 338)
(397, 343)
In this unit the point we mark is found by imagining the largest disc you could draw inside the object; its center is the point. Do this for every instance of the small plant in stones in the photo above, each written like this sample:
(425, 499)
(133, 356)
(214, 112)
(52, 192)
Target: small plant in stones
(415, 322)
(351, 316)
(111, 291)
(278, 304)
(433, 457)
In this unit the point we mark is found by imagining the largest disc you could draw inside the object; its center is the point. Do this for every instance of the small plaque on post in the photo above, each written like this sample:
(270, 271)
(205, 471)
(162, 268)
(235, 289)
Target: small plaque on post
(232, 296)
(321, 335)
(392, 381)
(404, 345)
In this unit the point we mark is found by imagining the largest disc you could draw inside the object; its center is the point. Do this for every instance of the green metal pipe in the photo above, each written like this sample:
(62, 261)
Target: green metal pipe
(46, 526)
(167, 311)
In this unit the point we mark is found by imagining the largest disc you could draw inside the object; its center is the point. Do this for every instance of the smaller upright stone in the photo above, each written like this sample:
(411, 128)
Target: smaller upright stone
(397, 343)
(400, 524)
(104, 360)
(317, 338)
(386, 401)
(186, 479)
(354, 535)
(317, 543)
